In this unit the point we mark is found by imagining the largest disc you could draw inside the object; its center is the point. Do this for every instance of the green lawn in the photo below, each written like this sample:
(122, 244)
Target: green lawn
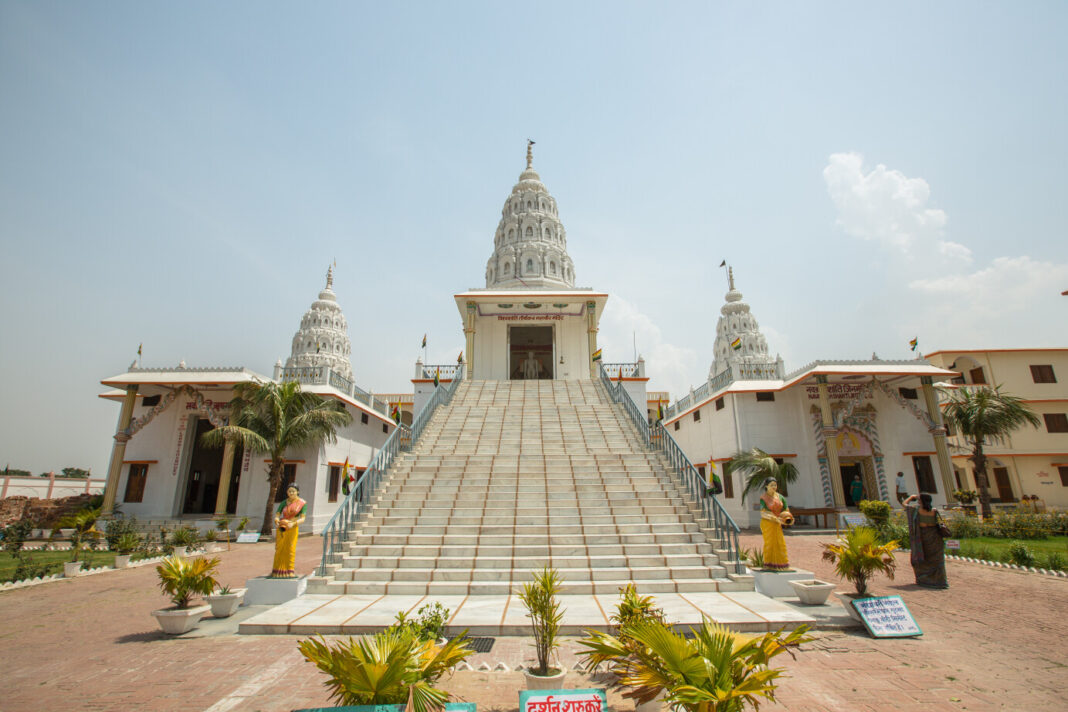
(54, 560)
(997, 549)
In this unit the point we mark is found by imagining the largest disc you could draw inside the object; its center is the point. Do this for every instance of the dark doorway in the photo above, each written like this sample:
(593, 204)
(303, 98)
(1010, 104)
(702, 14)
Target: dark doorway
(205, 464)
(530, 352)
(1001, 479)
(849, 472)
(925, 479)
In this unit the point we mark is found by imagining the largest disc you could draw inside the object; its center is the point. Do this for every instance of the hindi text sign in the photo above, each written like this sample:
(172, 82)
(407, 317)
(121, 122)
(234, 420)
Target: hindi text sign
(563, 701)
(886, 617)
(248, 537)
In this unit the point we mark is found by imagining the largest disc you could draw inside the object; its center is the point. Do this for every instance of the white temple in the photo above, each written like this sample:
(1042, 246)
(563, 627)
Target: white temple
(323, 336)
(739, 343)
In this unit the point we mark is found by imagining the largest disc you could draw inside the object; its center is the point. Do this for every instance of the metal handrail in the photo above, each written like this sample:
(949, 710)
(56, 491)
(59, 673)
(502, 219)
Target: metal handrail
(401, 438)
(657, 438)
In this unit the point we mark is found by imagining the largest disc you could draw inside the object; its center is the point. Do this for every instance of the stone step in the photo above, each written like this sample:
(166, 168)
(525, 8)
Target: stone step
(592, 550)
(479, 538)
(360, 565)
(504, 588)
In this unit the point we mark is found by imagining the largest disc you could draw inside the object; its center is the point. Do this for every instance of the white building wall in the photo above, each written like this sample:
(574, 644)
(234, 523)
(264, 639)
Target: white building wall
(569, 341)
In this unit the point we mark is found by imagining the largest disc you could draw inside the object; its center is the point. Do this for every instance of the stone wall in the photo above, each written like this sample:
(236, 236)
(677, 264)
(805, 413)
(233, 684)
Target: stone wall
(42, 512)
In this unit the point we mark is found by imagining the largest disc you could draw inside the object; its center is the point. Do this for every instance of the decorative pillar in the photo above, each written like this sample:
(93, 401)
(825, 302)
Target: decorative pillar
(591, 332)
(938, 433)
(830, 443)
(469, 332)
(224, 478)
(118, 451)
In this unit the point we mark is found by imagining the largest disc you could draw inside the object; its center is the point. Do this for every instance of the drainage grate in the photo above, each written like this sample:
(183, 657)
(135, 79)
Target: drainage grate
(481, 645)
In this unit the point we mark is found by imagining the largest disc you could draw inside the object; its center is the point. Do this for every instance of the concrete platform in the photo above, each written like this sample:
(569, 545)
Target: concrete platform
(746, 611)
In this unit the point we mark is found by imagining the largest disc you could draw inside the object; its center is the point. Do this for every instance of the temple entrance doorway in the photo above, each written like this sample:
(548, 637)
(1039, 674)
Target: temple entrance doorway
(530, 352)
(855, 459)
(202, 484)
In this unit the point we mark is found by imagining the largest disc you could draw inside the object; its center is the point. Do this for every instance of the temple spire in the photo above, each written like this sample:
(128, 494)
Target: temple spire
(530, 154)
(730, 278)
(330, 277)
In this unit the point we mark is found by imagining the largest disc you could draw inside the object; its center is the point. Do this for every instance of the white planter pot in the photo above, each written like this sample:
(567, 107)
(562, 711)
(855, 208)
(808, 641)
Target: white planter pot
(846, 599)
(175, 621)
(122, 561)
(72, 569)
(66, 533)
(225, 605)
(549, 682)
(812, 592)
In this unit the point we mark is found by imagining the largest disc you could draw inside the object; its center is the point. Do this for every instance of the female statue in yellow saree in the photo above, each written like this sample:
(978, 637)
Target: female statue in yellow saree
(287, 521)
(774, 514)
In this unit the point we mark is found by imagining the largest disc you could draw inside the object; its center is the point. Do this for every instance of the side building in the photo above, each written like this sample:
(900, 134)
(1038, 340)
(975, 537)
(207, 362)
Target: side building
(160, 472)
(1031, 461)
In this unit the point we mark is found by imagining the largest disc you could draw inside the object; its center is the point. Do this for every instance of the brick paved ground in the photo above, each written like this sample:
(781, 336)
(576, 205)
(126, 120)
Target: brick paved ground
(994, 640)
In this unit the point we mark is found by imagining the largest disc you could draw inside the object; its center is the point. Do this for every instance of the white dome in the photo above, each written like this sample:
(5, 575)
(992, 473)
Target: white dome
(737, 325)
(323, 336)
(530, 246)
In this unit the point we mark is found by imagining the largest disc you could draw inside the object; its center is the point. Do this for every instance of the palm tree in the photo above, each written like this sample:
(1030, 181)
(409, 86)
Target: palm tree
(757, 466)
(983, 415)
(273, 418)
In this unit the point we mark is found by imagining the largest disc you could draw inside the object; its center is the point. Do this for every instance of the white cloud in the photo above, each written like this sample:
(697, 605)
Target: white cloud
(886, 206)
(1009, 284)
(670, 367)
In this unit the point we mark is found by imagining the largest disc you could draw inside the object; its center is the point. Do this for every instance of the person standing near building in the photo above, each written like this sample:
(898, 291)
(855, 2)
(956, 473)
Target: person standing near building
(856, 490)
(902, 492)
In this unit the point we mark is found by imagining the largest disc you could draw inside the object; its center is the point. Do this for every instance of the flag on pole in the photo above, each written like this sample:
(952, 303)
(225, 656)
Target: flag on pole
(914, 343)
(139, 349)
(424, 341)
(737, 344)
(659, 412)
(460, 358)
(723, 263)
(346, 478)
(437, 377)
(621, 373)
(597, 355)
(395, 414)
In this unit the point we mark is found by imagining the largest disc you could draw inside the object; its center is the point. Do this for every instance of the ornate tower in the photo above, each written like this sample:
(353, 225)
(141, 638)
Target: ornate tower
(738, 337)
(323, 337)
(530, 247)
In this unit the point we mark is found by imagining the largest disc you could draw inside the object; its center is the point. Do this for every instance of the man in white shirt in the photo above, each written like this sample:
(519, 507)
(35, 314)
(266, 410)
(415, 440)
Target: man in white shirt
(902, 492)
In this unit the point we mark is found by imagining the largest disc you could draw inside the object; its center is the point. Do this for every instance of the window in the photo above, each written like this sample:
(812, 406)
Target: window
(135, 482)
(530, 231)
(530, 266)
(909, 393)
(335, 483)
(719, 403)
(765, 396)
(1043, 374)
(385, 428)
(676, 426)
(363, 418)
(1064, 475)
(925, 480)
(149, 401)
(956, 475)
(1056, 422)
(977, 375)
(1001, 480)
(697, 416)
(289, 476)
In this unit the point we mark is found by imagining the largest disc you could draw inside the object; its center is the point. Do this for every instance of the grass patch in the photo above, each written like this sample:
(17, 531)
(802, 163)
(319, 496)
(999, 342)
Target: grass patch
(998, 549)
(54, 561)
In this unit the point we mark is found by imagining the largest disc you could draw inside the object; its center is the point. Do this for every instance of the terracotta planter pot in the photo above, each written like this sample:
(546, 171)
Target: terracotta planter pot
(175, 621)
(224, 605)
(548, 682)
(812, 592)
(72, 569)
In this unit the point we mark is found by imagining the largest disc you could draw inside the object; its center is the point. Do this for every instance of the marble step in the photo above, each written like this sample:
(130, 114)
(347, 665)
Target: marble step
(360, 566)
(576, 549)
(505, 588)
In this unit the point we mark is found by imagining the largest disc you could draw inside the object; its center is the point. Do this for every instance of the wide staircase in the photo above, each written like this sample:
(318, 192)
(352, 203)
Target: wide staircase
(516, 475)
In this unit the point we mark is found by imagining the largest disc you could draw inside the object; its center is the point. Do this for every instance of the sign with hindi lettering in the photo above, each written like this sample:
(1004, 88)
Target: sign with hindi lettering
(886, 617)
(563, 701)
(248, 537)
(952, 543)
(855, 520)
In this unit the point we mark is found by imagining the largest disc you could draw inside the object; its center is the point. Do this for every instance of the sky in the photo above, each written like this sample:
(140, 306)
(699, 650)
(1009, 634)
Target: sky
(182, 175)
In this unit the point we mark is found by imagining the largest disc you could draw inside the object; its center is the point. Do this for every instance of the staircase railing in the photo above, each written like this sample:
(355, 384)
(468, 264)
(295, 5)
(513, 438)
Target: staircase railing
(402, 438)
(657, 438)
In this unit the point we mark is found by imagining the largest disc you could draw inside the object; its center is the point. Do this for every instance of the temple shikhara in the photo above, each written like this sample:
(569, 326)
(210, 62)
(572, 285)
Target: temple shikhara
(534, 450)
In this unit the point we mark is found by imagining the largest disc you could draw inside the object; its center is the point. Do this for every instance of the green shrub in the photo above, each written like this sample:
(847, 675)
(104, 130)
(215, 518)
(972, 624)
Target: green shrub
(755, 557)
(126, 543)
(15, 535)
(966, 527)
(877, 511)
(1055, 562)
(430, 625)
(116, 528)
(185, 536)
(1020, 555)
(1022, 525)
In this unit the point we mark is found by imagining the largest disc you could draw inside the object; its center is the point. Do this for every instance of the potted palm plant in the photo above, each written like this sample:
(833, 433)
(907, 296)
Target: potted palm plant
(82, 528)
(395, 666)
(124, 545)
(857, 557)
(181, 580)
(225, 601)
(718, 669)
(543, 609)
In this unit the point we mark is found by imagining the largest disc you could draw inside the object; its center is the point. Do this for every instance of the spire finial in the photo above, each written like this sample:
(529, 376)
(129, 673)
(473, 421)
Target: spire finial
(330, 277)
(730, 278)
(530, 154)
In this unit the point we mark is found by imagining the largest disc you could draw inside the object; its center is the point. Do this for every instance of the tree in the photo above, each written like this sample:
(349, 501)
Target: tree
(757, 466)
(272, 418)
(985, 415)
(75, 472)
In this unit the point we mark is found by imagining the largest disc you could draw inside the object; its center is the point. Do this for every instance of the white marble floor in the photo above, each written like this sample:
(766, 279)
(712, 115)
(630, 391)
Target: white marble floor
(505, 615)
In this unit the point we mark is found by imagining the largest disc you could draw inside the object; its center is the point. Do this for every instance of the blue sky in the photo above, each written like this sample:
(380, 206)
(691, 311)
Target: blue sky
(182, 174)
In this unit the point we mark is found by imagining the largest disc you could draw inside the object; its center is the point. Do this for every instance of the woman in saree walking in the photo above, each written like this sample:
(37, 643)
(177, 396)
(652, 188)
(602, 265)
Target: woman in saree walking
(287, 521)
(928, 553)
